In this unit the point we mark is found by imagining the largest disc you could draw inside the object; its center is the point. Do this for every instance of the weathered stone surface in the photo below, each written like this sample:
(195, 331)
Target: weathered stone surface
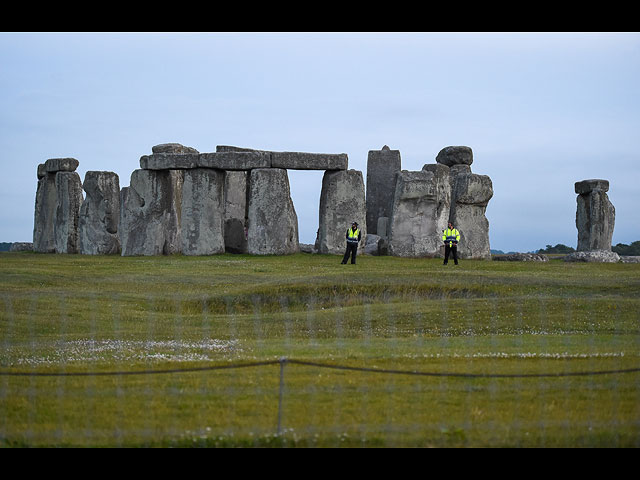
(170, 161)
(54, 165)
(375, 245)
(309, 161)
(202, 214)
(470, 196)
(172, 148)
(595, 215)
(342, 202)
(522, 257)
(235, 160)
(382, 167)
(588, 186)
(100, 214)
(415, 230)
(307, 248)
(45, 213)
(42, 170)
(235, 211)
(600, 256)
(273, 223)
(443, 194)
(150, 210)
(630, 259)
(457, 155)
(21, 247)
(69, 200)
(383, 227)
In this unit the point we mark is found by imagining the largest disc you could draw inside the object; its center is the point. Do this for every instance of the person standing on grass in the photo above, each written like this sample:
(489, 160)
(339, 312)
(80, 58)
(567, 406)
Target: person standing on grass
(353, 237)
(450, 237)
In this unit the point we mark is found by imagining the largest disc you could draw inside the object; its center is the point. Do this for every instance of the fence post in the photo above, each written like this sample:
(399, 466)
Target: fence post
(283, 360)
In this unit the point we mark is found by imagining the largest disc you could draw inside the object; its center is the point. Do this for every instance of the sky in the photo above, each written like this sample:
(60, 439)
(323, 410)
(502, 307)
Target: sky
(540, 111)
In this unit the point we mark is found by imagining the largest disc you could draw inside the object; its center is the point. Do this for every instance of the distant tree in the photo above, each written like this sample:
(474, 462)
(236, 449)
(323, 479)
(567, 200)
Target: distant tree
(559, 248)
(4, 246)
(624, 249)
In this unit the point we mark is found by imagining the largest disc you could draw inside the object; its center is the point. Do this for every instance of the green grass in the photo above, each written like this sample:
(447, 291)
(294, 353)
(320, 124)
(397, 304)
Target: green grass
(79, 314)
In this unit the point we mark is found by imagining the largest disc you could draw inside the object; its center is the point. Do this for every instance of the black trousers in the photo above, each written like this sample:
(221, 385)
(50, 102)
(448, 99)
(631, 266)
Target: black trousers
(450, 249)
(352, 249)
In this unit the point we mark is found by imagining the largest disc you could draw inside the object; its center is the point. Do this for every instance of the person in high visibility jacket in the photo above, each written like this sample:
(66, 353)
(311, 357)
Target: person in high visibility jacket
(353, 237)
(450, 237)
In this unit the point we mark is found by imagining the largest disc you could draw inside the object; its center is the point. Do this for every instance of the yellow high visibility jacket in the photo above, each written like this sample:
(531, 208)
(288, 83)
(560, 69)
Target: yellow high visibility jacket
(450, 236)
(353, 236)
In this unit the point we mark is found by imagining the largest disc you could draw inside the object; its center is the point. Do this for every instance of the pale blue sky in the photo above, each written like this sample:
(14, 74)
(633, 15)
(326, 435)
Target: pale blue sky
(540, 111)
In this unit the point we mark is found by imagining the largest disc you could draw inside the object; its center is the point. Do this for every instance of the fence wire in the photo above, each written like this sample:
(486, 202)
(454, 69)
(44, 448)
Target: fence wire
(535, 372)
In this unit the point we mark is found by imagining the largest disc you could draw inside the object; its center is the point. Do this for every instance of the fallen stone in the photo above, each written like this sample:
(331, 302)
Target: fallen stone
(272, 219)
(202, 212)
(21, 247)
(100, 214)
(600, 256)
(630, 259)
(382, 167)
(342, 202)
(307, 248)
(455, 155)
(375, 245)
(54, 165)
(522, 257)
(69, 199)
(172, 148)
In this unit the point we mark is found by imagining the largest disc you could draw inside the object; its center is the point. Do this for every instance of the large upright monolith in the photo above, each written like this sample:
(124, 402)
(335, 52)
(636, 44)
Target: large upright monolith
(595, 215)
(202, 212)
(382, 167)
(58, 200)
(150, 213)
(342, 202)
(417, 217)
(470, 195)
(100, 214)
(235, 210)
(272, 219)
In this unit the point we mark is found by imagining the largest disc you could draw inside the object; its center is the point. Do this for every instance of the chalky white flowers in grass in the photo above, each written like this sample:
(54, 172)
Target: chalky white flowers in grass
(88, 350)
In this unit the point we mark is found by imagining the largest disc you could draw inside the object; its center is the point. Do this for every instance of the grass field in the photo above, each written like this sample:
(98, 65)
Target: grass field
(509, 353)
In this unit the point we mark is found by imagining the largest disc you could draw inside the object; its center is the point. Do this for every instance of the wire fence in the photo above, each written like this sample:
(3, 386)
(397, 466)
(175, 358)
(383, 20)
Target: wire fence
(534, 372)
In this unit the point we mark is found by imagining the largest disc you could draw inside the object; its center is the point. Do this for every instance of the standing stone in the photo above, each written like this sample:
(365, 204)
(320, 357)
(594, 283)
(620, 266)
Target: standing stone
(470, 196)
(342, 202)
(443, 194)
(382, 167)
(595, 215)
(420, 198)
(150, 213)
(46, 205)
(273, 223)
(45, 212)
(202, 214)
(100, 214)
(235, 211)
(69, 200)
